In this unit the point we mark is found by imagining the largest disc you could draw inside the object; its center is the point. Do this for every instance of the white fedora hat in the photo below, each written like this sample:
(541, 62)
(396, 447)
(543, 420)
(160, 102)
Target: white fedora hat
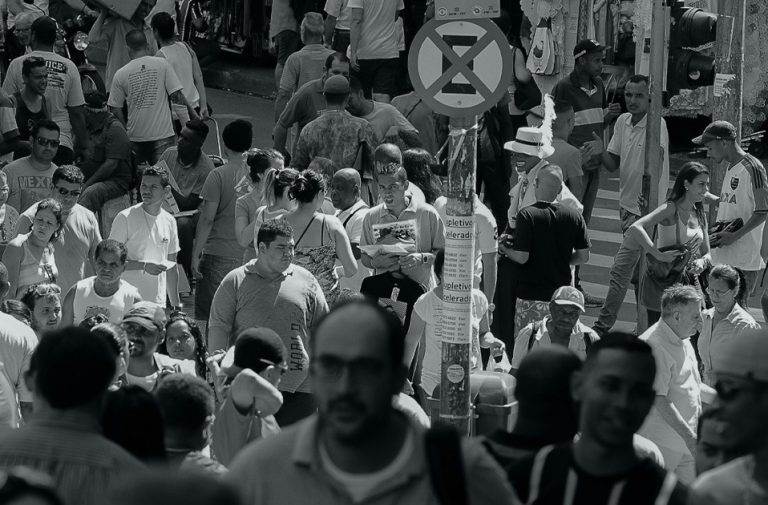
(531, 141)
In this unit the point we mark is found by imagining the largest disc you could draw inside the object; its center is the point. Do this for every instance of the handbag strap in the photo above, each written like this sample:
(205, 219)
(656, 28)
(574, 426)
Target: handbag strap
(677, 226)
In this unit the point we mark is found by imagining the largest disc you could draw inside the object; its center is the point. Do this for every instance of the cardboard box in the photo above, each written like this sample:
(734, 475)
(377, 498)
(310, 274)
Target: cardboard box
(123, 8)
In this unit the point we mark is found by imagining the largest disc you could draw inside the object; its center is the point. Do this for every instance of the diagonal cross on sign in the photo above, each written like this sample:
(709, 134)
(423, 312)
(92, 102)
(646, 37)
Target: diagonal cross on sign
(460, 64)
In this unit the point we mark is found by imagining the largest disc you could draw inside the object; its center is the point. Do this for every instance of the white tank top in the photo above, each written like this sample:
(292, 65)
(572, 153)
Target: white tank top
(87, 303)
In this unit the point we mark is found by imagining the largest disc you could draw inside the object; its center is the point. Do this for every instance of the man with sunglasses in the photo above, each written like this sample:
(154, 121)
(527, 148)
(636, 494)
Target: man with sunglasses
(145, 325)
(360, 448)
(253, 369)
(29, 178)
(741, 408)
(75, 248)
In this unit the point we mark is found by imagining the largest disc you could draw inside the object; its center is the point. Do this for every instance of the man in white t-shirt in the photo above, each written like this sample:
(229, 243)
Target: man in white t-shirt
(337, 24)
(673, 420)
(741, 411)
(373, 49)
(64, 94)
(74, 249)
(744, 196)
(387, 122)
(29, 178)
(150, 235)
(145, 325)
(106, 293)
(626, 153)
(146, 84)
(351, 210)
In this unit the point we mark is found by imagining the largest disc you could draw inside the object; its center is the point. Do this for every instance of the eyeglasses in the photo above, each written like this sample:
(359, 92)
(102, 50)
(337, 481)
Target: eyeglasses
(67, 192)
(362, 370)
(717, 292)
(47, 142)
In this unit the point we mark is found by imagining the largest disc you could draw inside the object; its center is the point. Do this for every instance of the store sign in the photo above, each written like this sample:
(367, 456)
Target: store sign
(466, 9)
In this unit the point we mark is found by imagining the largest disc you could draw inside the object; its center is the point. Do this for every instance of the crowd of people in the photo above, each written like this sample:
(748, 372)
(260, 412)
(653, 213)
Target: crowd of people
(307, 368)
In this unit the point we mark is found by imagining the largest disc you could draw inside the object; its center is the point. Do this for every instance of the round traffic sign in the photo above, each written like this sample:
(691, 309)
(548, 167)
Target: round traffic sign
(460, 68)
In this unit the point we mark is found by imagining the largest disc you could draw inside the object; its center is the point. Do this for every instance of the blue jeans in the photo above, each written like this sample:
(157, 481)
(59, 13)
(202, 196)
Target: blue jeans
(96, 195)
(213, 270)
(624, 264)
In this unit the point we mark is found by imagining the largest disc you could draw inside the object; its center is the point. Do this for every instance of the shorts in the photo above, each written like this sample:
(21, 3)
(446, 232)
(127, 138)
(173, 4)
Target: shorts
(379, 75)
(286, 43)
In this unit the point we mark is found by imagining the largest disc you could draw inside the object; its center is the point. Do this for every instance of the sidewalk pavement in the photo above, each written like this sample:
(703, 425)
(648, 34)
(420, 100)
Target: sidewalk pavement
(231, 74)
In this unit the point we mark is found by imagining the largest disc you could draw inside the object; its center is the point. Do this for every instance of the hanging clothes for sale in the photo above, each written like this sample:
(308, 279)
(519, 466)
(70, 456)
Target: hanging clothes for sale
(543, 57)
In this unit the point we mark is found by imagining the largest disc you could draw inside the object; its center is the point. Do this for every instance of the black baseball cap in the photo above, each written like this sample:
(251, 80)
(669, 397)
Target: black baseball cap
(587, 46)
(253, 348)
(716, 130)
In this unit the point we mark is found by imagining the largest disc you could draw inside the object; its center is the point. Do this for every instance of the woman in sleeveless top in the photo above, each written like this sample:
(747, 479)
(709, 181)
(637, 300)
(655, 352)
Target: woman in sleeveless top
(250, 212)
(29, 257)
(9, 216)
(680, 221)
(320, 238)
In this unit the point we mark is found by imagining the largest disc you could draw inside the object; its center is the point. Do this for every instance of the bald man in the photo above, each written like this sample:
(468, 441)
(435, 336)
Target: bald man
(351, 210)
(549, 239)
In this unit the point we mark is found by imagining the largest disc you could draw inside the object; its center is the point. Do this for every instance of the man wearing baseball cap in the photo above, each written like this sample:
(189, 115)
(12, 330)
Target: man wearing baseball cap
(742, 408)
(584, 89)
(252, 370)
(336, 134)
(145, 325)
(744, 196)
(561, 327)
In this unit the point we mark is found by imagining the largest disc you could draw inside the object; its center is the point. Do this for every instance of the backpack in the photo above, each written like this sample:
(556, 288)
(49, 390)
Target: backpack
(540, 327)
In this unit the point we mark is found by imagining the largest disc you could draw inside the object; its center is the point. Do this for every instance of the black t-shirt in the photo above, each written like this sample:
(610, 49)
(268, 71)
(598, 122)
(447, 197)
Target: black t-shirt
(549, 232)
(640, 486)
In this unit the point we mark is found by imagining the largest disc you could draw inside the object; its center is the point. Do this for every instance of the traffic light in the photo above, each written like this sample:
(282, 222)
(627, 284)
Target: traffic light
(690, 28)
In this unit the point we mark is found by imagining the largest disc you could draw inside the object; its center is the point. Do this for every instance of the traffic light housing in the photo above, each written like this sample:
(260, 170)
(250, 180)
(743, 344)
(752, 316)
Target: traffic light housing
(690, 28)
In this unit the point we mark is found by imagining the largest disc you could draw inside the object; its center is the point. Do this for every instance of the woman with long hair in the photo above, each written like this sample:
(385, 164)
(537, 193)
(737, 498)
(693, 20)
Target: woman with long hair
(321, 238)
(724, 322)
(184, 341)
(29, 256)
(277, 200)
(417, 163)
(680, 226)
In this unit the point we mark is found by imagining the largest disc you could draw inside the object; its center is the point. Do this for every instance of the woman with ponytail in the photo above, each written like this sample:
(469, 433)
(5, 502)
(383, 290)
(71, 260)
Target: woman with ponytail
(320, 238)
(726, 319)
(277, 201)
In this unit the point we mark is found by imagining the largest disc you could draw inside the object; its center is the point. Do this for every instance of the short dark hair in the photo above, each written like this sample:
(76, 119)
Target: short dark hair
(68, 173)
(44, 30)
(238, 135)
(113, 246)
(337, 56)
(164, 24)
(186, 403)
(39, 291)
(44, 124)
(639, 78)
(620, 341)
(136, 40)
(562, 106)
(114, 335)
(32, 62)
(394, 327)
(158, 171)
(271, 229)
(72, 367)
(257, 348)
(132, 419)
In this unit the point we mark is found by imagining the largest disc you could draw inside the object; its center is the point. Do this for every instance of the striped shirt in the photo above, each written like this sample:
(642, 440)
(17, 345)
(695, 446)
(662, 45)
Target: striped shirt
(82, 463)
(587, 107)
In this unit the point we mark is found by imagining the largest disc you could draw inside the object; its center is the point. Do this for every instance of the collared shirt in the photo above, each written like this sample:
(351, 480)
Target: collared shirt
(540, 334)
(261, 470)
(744, 192)
(713, 340)
(421, 220)
(677, 378)
(289, 305)
(587, 105)
(189, 179)
(628, 143)
(335, 135)
(523, 194)
(82, 463)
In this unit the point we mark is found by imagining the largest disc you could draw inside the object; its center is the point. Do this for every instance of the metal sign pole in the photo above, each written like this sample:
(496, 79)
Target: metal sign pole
(458, 275)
